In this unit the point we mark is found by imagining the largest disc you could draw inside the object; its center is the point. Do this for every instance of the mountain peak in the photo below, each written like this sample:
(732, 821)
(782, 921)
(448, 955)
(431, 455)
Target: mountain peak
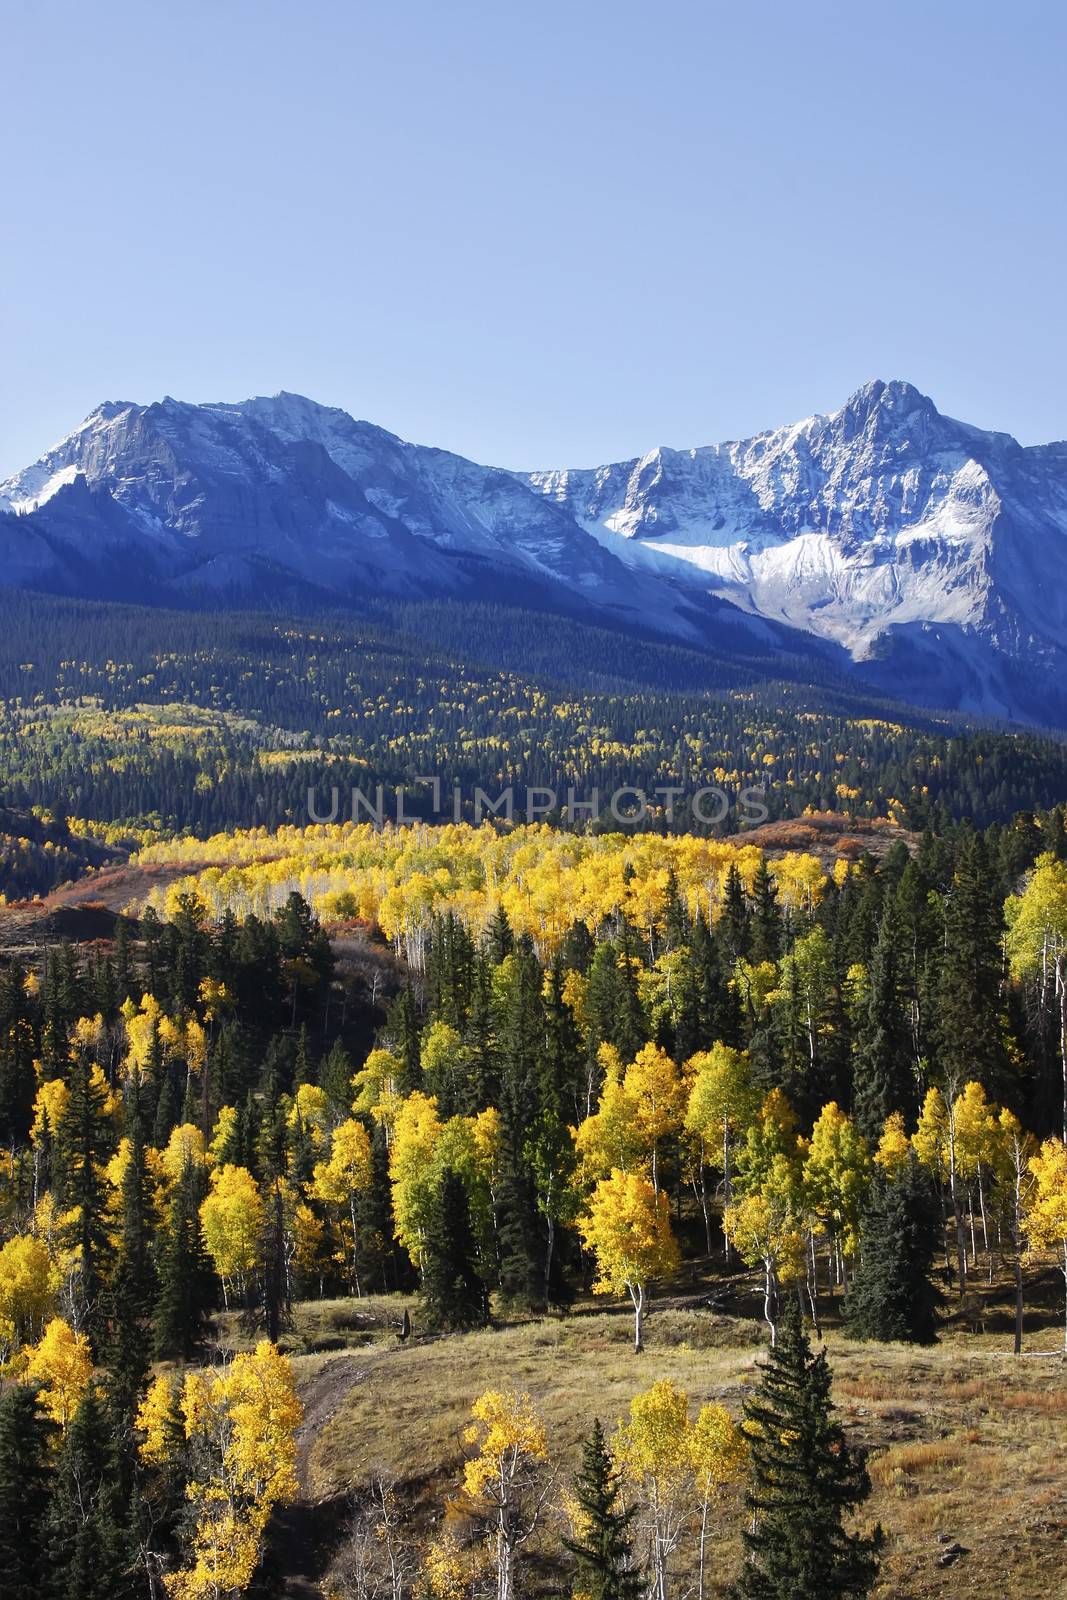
(896, 396)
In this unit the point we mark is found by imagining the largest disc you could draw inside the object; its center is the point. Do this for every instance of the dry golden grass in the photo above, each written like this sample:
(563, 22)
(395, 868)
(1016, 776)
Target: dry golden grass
(965, 1441)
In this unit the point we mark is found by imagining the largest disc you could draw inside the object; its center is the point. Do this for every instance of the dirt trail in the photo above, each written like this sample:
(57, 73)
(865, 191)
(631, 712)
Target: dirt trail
(302, 1536)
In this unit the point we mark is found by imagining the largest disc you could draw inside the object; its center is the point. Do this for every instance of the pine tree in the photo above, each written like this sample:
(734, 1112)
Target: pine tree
(499, 940)
(185, 1282)
(882, 1080)
(766, 923)
(676, 923)
(276, 1302)
(82, 1146)
(168, 1106)
(734, 922)
(133, 1281)
(452, 1292)
(86, 1525)
(482, 1087)
(892, 1294)
(522, 1036)
(603, 1000)
(125, 980)
(404, 1024)
(706, 1012)
(24, 1494)
(804, 1478)
(303, 1070)
(449, 971)
(335, 1077)
(382, 1259)
(968, 1032)
(602, 1545)
(631, 1024)
(578, 948)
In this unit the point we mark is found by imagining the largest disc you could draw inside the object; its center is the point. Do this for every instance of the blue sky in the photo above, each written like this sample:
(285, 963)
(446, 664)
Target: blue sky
(537, 234)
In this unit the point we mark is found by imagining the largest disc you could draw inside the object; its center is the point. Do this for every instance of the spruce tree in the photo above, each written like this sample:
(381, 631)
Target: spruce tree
(631, 1024)
(522, 1041)
(804, 1478)
(706, 1011)
(766, 922)
(882, 1079)
(482, 1086)
(185, 1283)
(578, 948)
(734, 921)
(603, 997)
(86, 1526)
(18, 1083)
(82, 1147)
(967, 1032)
(452, 1291)
(133, 1281)
(892, 1294)
(168, 1106)
(602, 1548)
(24, 1494)
(676, 924)
(499, 939)
(335, 1077)
(404, 1025)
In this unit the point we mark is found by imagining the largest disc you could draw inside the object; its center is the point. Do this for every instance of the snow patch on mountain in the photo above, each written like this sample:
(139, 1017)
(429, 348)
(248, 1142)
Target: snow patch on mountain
(882, 513)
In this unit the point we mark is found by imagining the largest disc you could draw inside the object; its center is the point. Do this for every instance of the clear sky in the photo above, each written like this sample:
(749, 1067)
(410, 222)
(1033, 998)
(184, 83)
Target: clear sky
(539, 234)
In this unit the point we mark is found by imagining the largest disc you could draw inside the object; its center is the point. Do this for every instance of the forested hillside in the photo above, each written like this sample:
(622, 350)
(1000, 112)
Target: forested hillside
(200, 723)
(470, 1077)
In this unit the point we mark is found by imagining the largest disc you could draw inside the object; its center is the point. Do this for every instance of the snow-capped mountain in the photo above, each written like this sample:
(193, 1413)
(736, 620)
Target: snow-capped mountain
(931, 554)
(241, 500)
(935, 552)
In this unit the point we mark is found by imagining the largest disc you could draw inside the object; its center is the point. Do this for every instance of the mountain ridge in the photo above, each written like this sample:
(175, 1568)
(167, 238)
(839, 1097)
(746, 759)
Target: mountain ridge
(927, 552)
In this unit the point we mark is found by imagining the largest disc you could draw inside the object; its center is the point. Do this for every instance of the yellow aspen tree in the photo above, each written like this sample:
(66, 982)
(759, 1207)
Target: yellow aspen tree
(158, 1422)
(341, 1180)
(610, 1138)
(412, 1151)
(723, 1104)
(142, 1034)
(375, 1082)
(447, 1571)
(627, 1227)
(768, 1227)
(719, 1454)
(304, 1237)
(505, 1477)
(654, 1084)
(934, 1142)
(185, 1147)
(49, 1109)
(1037, 946)
(894, 1147)
(310, 1112)
(654, 1450)
(1013, 1151)
(836, 1177)
(242, 1422)
(975, 1122)
(223, 1135)
(28, 1287)
(62, 1364)
(1046, 1212)
(231, 1219)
